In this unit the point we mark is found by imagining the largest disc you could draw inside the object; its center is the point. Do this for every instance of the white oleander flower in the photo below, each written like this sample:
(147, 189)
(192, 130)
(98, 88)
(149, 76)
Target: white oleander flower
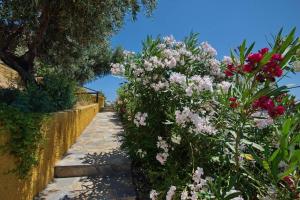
(224, 86)
(262, 119)
(140, 119)
(296, 65)
(227, 60)
(117, 69)
(184, 195)
(162, 157)
(207, 48)
(171, 193)
(197, 175)
(177, 78)
(153, 195)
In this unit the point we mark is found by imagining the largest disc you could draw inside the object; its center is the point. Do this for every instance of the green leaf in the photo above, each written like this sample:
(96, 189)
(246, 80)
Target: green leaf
(289, 55)
(253, 144)
(287, 41)
(296, 139)
(232, 195)
(286, 126)
(250, 49)
(274, 155)
(289, 170)
(242, 49)
(295, 156)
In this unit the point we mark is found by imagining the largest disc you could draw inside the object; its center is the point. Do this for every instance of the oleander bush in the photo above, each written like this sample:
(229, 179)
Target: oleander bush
(201, 128)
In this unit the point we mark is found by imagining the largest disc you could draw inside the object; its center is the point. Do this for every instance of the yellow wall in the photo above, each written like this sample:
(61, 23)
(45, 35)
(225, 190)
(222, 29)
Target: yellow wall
(61, 132)
(101, 101)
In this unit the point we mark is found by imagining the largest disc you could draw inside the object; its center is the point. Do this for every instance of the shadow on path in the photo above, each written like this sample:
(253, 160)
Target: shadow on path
(113, 182)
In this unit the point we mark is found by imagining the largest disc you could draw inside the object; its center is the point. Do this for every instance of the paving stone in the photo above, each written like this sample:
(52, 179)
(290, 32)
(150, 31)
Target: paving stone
(96, 155)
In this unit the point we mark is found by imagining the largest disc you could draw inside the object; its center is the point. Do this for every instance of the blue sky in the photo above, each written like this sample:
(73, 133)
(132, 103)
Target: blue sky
(224, 24)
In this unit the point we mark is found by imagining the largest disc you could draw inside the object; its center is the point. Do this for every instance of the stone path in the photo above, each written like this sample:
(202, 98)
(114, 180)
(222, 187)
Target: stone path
(94, 167)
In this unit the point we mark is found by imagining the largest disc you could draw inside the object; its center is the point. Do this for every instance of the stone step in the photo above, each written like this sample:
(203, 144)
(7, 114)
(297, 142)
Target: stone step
(108, 109)
(114, 167)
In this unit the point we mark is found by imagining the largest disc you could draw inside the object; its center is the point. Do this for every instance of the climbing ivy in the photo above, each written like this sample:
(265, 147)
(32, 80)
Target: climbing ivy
(25, 136)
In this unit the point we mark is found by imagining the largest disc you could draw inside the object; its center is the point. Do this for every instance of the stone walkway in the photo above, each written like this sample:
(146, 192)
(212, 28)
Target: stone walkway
(94, 167)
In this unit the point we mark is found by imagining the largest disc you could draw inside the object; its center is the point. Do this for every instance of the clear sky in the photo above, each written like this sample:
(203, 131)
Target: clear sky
(223, 23)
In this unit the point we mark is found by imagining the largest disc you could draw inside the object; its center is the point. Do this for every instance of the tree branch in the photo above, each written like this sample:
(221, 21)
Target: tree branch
(14, 62)
(40, 33)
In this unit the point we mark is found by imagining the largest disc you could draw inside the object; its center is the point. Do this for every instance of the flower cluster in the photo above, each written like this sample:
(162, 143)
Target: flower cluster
(177, 78)
(200, 124)
(140, 118)
(233, 102)
(224, 86)
(171, 193)
(153, 195)
(266, 103)
(268, 71)
(162, 157)
(199, 84)
(117, 69)
(262, 119)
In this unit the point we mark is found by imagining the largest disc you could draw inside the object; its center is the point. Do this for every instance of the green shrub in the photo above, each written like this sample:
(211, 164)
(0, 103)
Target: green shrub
(53, 94)
(8, 95)
(60, 90)
(34, 99)
(25, 136)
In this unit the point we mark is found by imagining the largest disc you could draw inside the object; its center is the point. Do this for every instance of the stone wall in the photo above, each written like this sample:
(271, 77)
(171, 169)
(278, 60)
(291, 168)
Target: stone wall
(8, 77)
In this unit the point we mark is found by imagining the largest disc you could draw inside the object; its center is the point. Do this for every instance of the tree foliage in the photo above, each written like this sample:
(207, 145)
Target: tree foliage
(70, 36)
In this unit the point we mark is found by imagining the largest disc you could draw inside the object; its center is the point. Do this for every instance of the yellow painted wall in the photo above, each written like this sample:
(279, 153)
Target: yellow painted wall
(101, 101)
(61, 132)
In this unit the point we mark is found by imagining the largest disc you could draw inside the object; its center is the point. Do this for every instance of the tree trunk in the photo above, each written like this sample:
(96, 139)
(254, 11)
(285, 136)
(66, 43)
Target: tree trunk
(21, 66)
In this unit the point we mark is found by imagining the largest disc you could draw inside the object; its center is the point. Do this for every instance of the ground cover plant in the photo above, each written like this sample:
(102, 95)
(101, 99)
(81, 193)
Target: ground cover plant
(201, 128)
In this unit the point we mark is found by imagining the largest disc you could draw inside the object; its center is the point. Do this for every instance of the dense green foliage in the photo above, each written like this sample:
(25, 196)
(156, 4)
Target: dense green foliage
(68, 36)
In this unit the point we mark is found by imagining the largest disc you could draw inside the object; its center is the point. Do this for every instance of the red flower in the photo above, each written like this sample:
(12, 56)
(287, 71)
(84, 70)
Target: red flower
(234, 103)
(247, 68)
(231, 67)
(278, 71)
(266, 103)
(228, 73)
(263, 51)
(232, 99)
(280, 110)
(289, 181)
(276, 57)
(255, 57)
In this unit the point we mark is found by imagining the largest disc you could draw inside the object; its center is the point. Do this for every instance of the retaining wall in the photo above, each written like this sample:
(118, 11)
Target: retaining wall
(61, 132)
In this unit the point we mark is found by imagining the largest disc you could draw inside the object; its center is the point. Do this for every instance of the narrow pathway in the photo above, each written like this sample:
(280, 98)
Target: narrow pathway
(94, 167)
